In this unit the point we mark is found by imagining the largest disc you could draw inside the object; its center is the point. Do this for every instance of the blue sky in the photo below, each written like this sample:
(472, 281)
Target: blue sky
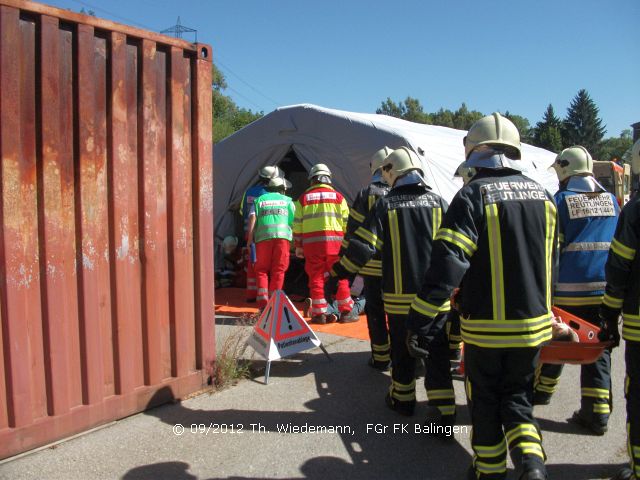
(501, 55)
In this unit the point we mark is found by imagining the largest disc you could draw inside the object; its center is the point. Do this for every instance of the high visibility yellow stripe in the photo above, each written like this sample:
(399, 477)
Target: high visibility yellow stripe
(495, 254)
(622, 250)
(594, 392)
(490, 451)
(371, 201)
(601, 408)
(524, 429)
(428, 309)
(367, 236)
(404, 387)
(380, 348)
(446, 409)
(632, 335)
(531, 448)
(631, 320)
(356, 216)
(437, 220)
(394, 233)
(397, 309)
(440, 394)
(515, 341)
(372, 272)
(612, 302)
(577, 301)
(398, 297)
(525, 325)
(348, 265)
(561, 237)
(550, 216)
(467, 388)
(458, 239)
(489, 468)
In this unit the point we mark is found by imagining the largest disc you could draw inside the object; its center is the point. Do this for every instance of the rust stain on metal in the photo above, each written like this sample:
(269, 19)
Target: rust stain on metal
(106, 234)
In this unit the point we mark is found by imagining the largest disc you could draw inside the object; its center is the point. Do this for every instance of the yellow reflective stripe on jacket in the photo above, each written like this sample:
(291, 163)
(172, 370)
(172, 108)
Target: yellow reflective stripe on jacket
(368, 237)
(436, 221)
(396, 309)
(356, 216)
(622, 250)
(348, 265)
(458, 239)
(550, 218)
(398, 297)
(525, 325)
(394, 234)
(507, 341)
(428, 309)
(495, 255)
(612, 302)
(577, 301)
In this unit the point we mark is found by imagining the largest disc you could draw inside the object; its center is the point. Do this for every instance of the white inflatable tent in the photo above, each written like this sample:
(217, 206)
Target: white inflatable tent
(345, 142)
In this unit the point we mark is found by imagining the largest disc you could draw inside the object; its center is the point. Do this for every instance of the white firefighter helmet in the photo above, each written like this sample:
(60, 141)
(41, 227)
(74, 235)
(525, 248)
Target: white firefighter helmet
(277, 182)
(572, 161)
(400, 162)
(493, 131)
(270, 171)
(319, 170)
(378, 158)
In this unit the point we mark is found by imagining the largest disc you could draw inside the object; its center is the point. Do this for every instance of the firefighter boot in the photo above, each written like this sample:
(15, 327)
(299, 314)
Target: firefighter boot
(403, 408)
(534, 474)
(319, 319)
(594, 422)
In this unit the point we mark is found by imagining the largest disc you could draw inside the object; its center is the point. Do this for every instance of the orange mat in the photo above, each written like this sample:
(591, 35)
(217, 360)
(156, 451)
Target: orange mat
(231, 301)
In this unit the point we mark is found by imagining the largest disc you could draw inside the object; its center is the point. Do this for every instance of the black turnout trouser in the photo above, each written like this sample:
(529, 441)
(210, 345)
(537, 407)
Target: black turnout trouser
(376, 320)
(438, 380)
(632, 394)
(595, 378)
(499, 385)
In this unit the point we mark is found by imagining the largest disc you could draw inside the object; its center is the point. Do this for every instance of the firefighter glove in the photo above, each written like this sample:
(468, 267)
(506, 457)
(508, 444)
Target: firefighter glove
(609, 326)
(417, 345)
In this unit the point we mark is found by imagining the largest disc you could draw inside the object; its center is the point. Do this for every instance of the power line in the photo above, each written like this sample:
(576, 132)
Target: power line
(247, 99)
(275, 102)
(124, 19)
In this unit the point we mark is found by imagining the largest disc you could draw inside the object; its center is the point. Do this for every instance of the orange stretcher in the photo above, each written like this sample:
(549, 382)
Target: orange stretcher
(588, 350)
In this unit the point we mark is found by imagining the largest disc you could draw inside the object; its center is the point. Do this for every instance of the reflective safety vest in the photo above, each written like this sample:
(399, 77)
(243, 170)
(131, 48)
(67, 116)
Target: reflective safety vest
(499, 234)
(362, 205)
(623, 270)
(274, 217)
(586, 222)
(321, 216)
(402, 227)
(247, 202)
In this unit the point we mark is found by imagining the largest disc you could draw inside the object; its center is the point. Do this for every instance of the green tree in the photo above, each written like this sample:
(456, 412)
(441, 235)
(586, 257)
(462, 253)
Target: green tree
(228, 118)
(410, 110)
(582, 125)
(443, 118)
(614, 148)
(522, 124)
(463, 118)
(548, 133)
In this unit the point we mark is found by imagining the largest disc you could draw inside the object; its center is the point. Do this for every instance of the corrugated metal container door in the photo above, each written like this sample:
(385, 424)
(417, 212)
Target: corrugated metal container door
(106, 231)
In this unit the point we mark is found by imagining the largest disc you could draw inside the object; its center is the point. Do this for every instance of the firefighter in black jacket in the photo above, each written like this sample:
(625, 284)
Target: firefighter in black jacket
(402, 226)
(372, 271)
(622, 272)
(500, 234)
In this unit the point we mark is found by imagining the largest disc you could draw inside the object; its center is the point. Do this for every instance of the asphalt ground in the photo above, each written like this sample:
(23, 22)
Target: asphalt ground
(316, 419)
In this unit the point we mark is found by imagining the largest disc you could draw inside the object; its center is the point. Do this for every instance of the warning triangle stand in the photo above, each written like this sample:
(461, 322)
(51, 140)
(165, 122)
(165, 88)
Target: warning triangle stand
(282, 331)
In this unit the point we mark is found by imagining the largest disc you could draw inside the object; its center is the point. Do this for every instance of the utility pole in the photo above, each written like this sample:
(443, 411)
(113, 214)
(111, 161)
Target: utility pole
(177, 30)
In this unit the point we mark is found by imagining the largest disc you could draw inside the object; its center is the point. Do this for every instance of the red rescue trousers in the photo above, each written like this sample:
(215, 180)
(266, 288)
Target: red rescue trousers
(272, 261)
(317, 264)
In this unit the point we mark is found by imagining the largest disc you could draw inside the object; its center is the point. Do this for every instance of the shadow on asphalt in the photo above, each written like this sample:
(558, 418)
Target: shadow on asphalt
(342, 400)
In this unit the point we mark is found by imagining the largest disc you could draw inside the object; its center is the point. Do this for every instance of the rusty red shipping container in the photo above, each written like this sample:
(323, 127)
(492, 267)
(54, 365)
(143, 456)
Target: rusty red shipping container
(106, 221)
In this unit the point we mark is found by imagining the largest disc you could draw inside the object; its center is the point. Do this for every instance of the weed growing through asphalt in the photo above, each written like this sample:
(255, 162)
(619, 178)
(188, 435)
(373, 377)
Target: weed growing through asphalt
(230, 366)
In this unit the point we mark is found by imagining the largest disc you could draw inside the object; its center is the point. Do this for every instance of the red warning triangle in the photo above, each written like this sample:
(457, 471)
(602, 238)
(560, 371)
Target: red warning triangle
(281, 330)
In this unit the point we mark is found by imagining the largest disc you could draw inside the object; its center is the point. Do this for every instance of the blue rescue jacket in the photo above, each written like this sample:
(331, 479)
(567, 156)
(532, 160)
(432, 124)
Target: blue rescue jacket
(587, 222)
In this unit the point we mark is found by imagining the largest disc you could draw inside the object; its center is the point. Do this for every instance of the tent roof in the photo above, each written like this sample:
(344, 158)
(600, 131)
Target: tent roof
(345, 141)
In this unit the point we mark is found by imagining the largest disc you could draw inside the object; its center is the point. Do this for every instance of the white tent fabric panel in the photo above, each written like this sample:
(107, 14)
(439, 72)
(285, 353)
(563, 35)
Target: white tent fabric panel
(345, 141)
